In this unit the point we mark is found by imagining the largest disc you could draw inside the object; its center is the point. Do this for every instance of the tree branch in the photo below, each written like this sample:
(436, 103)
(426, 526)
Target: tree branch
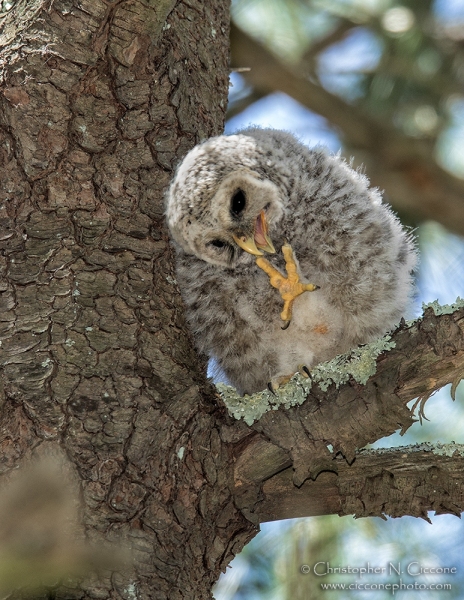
(410, 480)
(331, 421)
(338, 34)
(403, 166)
(235, 108)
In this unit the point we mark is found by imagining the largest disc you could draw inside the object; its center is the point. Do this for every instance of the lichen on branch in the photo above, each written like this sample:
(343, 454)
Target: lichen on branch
(359, 364)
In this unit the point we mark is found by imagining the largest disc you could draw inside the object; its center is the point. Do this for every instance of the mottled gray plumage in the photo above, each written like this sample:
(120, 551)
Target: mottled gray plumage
(345, 240)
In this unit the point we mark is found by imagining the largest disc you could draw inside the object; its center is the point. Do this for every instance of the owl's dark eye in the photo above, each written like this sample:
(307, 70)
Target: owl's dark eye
(238, 203)
(217, 243)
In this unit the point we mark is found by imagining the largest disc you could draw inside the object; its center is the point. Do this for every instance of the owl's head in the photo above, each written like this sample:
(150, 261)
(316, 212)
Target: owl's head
(221, 204)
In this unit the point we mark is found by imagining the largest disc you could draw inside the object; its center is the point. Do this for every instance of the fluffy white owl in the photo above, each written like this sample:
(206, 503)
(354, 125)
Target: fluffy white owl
(235, 198)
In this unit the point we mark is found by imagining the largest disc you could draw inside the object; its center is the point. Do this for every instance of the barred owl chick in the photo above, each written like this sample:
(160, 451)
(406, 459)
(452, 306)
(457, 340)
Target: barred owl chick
(237, 197)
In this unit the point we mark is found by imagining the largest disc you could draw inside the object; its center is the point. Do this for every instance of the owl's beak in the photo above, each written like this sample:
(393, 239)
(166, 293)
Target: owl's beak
(260, 239)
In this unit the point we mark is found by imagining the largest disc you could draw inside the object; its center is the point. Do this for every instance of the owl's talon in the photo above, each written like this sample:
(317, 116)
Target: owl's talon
(280, 380)
(290, 287)
(286, 325)
(277, 382)
(270, 388)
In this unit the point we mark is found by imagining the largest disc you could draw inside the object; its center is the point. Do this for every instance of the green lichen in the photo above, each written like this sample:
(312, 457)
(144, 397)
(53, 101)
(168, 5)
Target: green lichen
(445, 309)
(252, 408)
(359, 364)
(450, 449)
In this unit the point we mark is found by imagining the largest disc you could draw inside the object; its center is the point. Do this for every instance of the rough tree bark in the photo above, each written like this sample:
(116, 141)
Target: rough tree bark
(99, 102)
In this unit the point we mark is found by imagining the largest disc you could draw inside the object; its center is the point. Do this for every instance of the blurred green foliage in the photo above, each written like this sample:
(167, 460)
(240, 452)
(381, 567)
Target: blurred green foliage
(401, 63)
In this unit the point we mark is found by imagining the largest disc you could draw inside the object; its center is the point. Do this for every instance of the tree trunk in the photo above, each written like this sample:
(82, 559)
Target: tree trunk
(100, 102)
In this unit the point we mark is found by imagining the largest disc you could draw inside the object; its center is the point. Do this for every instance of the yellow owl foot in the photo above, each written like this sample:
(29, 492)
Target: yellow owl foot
(290, 287)
(280, 380)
